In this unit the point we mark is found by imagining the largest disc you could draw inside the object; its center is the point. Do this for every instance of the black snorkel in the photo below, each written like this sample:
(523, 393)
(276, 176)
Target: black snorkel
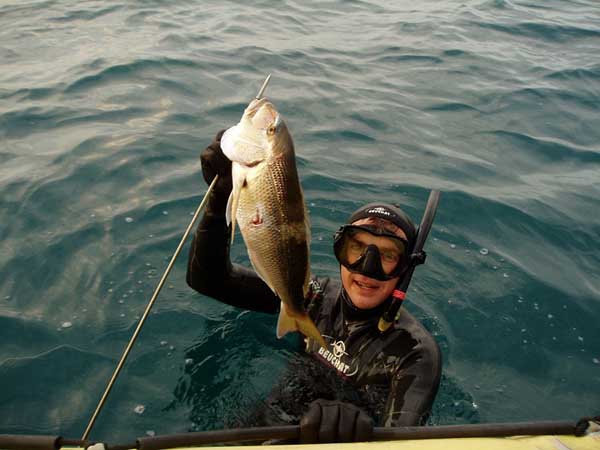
(417, 257)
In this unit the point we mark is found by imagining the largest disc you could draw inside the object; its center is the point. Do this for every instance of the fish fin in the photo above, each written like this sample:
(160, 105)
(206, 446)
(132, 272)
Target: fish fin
(228, 208)
(234, 205)
(233, 200)
(229, 214)
(302, 322)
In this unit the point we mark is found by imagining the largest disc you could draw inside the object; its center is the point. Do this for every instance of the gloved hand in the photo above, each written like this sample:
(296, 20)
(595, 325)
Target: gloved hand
(214, 162)
(334, 421)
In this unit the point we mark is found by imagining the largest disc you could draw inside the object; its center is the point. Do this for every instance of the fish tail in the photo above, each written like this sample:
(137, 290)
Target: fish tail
(300, 322)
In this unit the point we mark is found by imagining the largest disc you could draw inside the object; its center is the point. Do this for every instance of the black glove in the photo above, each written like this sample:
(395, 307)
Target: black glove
(214, 162)
(334, 421)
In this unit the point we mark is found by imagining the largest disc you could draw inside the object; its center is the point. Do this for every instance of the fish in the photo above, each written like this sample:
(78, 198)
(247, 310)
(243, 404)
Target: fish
(267, 204)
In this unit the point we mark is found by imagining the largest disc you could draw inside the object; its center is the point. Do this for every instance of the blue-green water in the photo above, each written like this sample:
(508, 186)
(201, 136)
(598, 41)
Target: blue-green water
(104, 107)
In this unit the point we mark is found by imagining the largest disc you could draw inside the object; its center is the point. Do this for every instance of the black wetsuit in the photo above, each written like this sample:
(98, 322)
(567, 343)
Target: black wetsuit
(394, 375)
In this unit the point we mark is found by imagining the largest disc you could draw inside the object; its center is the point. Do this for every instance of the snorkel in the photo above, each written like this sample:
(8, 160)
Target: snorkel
(417, 257)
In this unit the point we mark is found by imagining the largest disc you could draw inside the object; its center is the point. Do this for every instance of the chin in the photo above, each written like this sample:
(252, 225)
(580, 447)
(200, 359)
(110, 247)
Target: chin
(364, 292)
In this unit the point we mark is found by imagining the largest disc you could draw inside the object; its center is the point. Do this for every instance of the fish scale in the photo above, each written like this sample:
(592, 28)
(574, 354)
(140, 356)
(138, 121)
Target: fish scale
(268, 205)
(273, 262)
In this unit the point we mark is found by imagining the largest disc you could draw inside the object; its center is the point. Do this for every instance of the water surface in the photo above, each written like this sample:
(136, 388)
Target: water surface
(105, 106)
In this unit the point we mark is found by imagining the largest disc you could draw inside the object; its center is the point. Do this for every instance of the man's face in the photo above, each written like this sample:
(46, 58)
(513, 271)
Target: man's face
(365, 292)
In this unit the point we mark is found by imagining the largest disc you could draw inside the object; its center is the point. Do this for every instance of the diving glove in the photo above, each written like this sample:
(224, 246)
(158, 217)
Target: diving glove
(334, 421)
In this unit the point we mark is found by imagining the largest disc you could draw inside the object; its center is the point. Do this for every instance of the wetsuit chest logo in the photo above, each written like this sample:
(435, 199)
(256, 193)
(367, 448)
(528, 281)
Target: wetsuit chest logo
(337, 357)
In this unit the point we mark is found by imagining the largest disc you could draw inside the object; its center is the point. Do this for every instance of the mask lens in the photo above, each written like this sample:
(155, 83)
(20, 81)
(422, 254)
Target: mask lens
(356, 240)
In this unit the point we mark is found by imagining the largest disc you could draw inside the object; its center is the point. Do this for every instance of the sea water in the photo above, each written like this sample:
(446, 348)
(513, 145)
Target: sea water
(105, 107)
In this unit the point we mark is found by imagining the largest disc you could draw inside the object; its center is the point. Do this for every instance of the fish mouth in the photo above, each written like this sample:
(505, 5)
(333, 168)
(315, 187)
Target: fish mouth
(262, 114)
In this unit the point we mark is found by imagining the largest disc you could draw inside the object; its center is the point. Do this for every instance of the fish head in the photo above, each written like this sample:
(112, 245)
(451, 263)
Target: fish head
(261, 134)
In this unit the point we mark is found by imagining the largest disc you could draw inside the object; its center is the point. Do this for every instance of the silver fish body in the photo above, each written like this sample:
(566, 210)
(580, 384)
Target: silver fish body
(267, 204)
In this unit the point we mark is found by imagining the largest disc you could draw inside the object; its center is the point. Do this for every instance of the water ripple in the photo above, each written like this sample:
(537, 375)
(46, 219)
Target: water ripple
(105, 109)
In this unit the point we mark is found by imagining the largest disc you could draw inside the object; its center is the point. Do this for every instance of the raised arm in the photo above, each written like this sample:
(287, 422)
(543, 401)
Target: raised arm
(210, 271)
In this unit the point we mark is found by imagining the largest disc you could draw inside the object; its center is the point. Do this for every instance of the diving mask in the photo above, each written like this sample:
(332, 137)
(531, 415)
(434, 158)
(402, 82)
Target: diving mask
(368, 250)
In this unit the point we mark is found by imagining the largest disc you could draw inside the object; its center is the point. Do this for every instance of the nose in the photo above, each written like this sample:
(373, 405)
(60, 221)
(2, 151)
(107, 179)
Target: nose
(372, 260)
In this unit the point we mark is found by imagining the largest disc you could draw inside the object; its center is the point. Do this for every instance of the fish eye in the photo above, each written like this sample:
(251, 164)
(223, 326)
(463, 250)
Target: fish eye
(271, 130)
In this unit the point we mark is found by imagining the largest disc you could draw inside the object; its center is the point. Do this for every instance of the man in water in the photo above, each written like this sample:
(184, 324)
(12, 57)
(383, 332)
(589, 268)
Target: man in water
(364, 375)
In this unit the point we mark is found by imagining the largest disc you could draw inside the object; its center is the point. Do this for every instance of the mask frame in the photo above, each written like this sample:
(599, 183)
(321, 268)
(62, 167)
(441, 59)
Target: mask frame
(369, 263)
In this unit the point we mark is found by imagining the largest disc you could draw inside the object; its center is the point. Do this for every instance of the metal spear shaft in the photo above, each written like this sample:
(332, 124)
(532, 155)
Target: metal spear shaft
(161, 283)
(146, 312)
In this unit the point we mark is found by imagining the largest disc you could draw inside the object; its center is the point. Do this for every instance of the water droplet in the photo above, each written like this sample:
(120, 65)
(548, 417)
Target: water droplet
(596, 361)
(163, 342)
(67, 324)
(150, 433)
(523, 330)
(452, 245)
(122, 315)
(484, 251)
(505, 275)
(189, 361)
(139, 409)
(524, 341)
(550, 316)
(580, 339)
(128, 219)
(165, 213)
(121, 301)
(554, 338)
(7, 297)
(150, 235)
(171, 347)
(475, 406)
(124, 295)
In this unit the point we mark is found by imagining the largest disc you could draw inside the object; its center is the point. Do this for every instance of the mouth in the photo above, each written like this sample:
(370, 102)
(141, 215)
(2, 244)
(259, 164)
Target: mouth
(365, 285)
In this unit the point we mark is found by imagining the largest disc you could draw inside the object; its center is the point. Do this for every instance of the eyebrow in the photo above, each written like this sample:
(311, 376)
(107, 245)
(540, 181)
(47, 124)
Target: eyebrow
(383, 247)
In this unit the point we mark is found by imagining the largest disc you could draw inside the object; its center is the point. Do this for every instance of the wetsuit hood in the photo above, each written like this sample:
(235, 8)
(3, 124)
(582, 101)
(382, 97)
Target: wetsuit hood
(392, 214)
